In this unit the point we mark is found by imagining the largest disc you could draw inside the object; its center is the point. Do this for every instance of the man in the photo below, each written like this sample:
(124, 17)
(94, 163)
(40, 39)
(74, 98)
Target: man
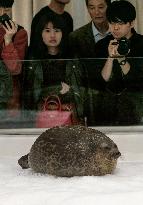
(83, 40)
(82, 45)
(13, 44)
(123, 75)
(56, 7)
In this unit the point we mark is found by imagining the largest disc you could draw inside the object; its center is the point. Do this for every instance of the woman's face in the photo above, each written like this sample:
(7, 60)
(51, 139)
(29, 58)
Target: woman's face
(51, 36)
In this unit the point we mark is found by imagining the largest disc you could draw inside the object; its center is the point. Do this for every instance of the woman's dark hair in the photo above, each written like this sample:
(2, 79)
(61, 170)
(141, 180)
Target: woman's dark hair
(108, 2)
(6, 3)
(39, 49)
(121, 11)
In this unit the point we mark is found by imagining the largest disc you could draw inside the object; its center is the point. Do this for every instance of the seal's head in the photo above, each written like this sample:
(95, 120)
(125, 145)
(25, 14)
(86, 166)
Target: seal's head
(23, 162)
(72, 151)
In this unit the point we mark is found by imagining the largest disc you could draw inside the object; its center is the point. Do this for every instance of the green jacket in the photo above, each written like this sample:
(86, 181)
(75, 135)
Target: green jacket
(33, 85)
(5, 85)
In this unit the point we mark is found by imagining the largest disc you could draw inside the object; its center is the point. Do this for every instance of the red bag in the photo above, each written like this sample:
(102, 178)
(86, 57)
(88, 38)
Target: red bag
(51, 118)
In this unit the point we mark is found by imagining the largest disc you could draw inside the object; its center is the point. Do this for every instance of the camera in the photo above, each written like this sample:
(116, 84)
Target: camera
(5, 18)
(124, 46)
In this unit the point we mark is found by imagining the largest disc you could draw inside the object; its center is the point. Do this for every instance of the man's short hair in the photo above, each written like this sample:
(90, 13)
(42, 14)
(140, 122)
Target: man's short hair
(6, 3)
(121, 11)
(108, 2)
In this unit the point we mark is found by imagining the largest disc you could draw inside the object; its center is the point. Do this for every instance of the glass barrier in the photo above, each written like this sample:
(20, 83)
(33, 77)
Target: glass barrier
(75, 91)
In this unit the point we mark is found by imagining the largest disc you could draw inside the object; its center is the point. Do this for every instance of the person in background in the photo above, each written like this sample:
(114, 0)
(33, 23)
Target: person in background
(45, 76)
(13, 45)
(123, 75)
(82, 41)
(56, 7)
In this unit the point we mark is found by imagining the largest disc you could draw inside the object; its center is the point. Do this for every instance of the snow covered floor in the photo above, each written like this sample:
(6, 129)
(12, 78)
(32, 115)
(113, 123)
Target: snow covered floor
(24, 187)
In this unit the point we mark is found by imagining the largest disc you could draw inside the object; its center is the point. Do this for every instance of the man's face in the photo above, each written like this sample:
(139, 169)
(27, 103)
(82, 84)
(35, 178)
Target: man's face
(97, 11)
(120, 30)
(63, 1)
(7, 11)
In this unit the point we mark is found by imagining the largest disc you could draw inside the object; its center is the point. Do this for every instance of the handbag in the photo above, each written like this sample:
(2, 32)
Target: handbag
(47, 118)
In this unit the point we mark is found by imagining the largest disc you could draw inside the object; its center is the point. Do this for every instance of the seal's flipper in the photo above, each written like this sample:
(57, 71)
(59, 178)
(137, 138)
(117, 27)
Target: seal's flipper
(23, 162)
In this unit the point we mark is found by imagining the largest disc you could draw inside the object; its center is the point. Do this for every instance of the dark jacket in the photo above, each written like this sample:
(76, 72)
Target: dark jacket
(122, 103)
(35, 89)
(82, 43)
(5, 86)
(133, 81)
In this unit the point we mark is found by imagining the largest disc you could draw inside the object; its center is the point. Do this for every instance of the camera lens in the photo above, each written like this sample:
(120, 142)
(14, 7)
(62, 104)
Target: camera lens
(124, 46)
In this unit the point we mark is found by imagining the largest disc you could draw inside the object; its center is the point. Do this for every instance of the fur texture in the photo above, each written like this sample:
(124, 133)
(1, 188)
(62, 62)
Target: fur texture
(72, 151)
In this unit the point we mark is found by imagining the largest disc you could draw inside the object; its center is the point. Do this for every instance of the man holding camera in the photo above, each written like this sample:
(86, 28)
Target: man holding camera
(123, 75)
(13, 45)
(123, 38)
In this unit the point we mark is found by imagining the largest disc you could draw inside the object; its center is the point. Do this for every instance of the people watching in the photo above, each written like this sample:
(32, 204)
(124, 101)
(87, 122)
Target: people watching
(82, 41)
(123, 75)
(56, 7)
(47, 72)
(13, 45)
(50, 29)
(82, 45)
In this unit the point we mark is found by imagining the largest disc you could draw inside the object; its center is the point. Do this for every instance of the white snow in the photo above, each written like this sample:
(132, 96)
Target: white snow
(24, 187)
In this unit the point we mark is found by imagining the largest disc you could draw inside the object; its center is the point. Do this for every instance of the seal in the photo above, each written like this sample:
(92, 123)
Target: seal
(72, 151)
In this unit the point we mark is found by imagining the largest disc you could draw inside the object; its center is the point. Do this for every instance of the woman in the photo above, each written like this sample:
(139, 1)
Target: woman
(48, 75)
(13, 46)
(45, 74)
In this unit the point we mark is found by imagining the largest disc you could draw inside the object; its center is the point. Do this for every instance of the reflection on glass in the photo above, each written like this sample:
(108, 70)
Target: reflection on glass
(72, 87)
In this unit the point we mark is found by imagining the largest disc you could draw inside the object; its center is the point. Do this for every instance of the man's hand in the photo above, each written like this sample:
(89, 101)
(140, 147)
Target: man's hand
(112, 48)
(65, 88)
(10, 31)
